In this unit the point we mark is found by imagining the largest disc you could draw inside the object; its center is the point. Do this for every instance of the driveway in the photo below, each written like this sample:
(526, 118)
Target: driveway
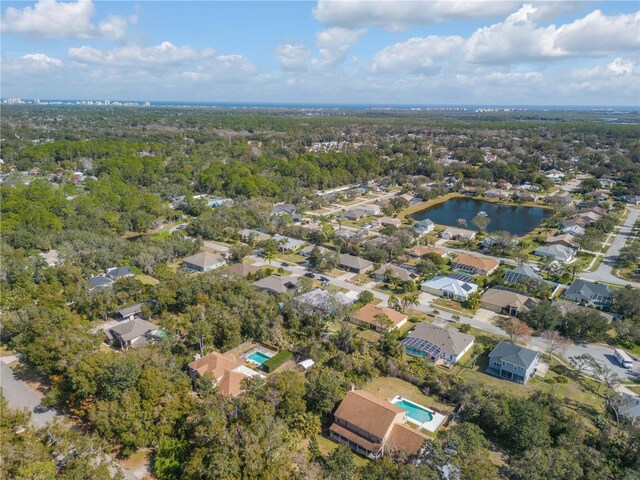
(603, 272)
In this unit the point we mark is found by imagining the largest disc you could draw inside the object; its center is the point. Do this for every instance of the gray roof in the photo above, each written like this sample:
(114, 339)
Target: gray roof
(323, 300)
(119, 272)
(558, 252)
(515, 275)
(203, 259)
(277, 284)
(100, 281)
(448, 340)
(132, 329)
(423, 225)
(354, 262)
(131, 309)
(401, 273)
(514, 354)
(588, 290)
(283, 209)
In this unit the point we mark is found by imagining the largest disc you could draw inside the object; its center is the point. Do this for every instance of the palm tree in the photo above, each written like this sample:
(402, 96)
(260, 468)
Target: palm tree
(394, 303)
(269, 255)
(410, 299)
(571, 269)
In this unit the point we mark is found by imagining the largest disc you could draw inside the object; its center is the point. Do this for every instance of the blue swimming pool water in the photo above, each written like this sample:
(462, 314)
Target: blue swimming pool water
(415, 411)
(258, 357)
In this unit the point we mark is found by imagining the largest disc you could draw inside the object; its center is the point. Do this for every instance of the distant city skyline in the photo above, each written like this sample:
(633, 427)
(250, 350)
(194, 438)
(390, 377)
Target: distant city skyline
(325, 52)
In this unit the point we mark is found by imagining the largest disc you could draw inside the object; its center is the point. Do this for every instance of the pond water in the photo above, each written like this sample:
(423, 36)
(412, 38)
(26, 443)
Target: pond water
(514, 219)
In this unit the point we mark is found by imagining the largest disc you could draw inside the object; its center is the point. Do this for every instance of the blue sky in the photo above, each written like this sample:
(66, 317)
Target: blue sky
(419, 52)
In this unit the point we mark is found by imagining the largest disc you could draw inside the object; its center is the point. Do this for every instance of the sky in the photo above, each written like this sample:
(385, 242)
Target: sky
(356, 52)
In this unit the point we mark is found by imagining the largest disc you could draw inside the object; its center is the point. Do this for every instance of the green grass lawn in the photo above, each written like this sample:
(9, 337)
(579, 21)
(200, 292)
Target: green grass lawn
(147, 279)
(290, 258)
(453, 305)
(369, 335)
(388, 387)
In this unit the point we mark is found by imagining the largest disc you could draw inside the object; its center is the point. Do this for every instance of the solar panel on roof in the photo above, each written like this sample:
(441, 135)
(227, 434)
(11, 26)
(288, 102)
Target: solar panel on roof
(459, 276)
(422, 345)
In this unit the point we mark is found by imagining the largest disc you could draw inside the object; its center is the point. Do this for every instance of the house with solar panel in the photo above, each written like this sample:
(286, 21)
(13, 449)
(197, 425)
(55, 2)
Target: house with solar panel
(437, 343)
(513, 362)
(456, 287)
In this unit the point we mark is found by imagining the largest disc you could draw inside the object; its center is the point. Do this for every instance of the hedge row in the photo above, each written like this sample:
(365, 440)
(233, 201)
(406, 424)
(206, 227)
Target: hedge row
(277, 360)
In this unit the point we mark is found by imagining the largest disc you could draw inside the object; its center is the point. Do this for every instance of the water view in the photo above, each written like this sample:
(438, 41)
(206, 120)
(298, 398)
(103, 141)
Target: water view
(514, 219)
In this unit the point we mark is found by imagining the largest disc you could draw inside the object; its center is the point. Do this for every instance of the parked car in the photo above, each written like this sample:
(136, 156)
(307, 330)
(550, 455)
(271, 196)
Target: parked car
(310, 275)
(284, 264)
(324, 279)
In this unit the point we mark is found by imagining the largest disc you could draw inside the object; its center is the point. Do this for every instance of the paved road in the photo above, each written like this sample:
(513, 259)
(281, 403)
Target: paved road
(603, 272)
(19, 395)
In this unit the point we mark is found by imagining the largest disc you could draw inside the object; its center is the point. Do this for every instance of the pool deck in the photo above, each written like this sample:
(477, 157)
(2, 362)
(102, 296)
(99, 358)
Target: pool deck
(259, 349)
(431, 426)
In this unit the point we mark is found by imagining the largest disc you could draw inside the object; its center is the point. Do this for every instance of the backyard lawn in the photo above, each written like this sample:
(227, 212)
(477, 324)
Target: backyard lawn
(389, 387)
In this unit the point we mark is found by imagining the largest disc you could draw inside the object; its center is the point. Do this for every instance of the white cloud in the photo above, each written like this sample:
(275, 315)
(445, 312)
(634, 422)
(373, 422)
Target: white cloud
(136, 56)
(598, 34)
(397, 15)
(520, 39)
(334, 44)
(52, 19)
(293, 57)
(416, 55)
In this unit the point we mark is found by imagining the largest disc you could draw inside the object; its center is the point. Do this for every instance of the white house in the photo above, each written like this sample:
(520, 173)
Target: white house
(449, 288)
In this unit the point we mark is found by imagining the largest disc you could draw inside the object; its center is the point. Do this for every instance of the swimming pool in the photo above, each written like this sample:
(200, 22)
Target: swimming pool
(258, 357)
(415, 411)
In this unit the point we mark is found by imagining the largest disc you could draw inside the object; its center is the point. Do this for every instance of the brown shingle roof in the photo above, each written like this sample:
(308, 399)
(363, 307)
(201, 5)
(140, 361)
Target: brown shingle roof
(215, 363)
(482, 263)
(505, 298)
(368, 412)
(405, 438)
(230, 384)
(368, 313)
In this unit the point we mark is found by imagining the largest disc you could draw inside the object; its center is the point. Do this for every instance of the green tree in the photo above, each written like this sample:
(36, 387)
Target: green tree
(482, 222)
(340, 464)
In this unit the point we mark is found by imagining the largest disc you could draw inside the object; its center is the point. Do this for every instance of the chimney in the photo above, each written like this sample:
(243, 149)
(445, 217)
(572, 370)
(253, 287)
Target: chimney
(197, 356)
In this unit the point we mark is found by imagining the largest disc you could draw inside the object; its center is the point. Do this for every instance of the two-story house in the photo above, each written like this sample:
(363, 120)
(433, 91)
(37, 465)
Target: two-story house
(513, 362)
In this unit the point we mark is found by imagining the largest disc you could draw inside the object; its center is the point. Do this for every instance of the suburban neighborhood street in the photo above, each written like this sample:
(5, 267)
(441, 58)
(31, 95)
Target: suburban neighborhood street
(603, 272)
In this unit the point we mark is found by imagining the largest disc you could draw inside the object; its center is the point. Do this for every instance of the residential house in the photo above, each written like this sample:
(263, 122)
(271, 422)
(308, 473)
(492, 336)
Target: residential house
(589, 217)
(381, 319)
(354, 264)
(594, 209)
(225, 369)
(389, 222)
(133, 333)
(513, 362)
(243, 269)
(566, 239)
(423, 227)
(306, 251)
(345, 233)
(355, 214)
(280, 209)
(99, 282)
(607, 183)
(318, 300)
(569, 307)
(288, 244)
(116, 273)
(453, 233)
(421, 250)
(504, 185)
(247, 235)
(507, 302)
(130, 312)
(599, 195)
(373, 427)
(581, 222)
(434, 342)
(401, 273)
(51, 258)
(475, 265)
(632, 199)
(583, 291)
(449, 288)
(575, 230)
(558, 253)
(496, 193)
(521, 274)
(203, 262)
(276, 285)
(371, 209)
